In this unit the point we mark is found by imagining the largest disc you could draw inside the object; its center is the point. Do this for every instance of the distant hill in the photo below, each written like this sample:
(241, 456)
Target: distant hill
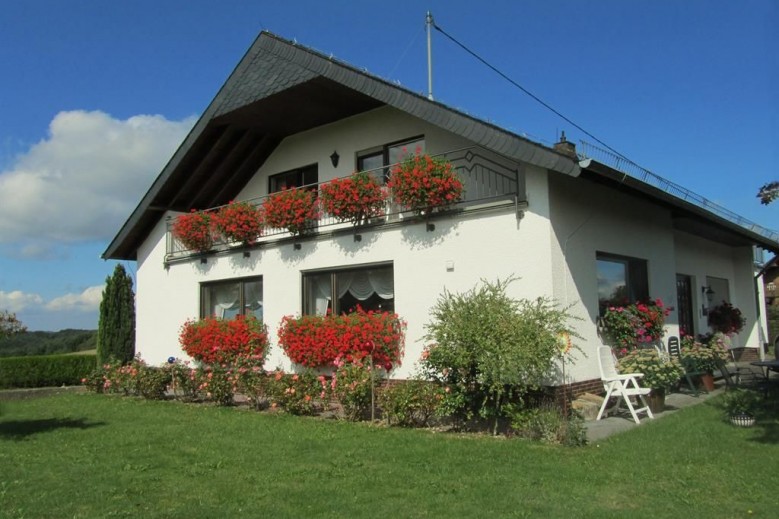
(47, 343)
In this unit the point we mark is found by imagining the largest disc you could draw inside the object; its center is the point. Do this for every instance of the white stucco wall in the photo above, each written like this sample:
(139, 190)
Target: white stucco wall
(484, 245)
(587, 219)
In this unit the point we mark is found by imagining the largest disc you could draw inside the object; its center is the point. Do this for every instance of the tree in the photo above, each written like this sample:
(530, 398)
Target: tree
(116, 328)
(768, 193)
(10, 325)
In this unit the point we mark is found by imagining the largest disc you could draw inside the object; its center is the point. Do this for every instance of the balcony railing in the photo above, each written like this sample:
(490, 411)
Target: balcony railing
(488, 179)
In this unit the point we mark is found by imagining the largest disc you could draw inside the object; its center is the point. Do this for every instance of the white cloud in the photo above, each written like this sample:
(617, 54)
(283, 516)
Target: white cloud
(83, 181)
(17, 300)
(86, 301)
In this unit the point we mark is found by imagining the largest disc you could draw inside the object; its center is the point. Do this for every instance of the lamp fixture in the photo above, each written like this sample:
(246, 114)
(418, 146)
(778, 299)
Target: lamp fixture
(334, 159)
(708, 292)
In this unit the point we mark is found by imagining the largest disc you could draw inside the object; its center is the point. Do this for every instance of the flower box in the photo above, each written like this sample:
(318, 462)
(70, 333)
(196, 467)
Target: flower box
(424, 184)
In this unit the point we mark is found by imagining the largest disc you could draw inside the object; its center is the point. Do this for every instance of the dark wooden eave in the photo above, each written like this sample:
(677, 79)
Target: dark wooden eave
(278, 89)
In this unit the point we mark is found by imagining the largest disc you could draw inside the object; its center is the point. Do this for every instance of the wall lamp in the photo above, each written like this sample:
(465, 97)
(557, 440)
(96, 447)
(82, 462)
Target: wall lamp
(334, 159)
(709, 293)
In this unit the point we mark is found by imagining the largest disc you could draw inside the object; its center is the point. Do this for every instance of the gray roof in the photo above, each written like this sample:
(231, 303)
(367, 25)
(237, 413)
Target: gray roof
(280, 88)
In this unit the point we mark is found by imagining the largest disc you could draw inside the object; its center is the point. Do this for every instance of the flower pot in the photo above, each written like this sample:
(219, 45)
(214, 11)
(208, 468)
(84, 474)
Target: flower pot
(707, 380)
(656, 400)
(742, 420)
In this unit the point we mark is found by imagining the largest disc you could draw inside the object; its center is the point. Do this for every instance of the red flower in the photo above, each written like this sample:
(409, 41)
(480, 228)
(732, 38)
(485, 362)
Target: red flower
(354, 199)
(239, 222)
(423, 183)
(292, 209)
(220, 341)
(194, 230)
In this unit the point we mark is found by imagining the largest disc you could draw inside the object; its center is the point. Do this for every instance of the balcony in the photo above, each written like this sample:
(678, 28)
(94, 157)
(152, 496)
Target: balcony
(490, 181)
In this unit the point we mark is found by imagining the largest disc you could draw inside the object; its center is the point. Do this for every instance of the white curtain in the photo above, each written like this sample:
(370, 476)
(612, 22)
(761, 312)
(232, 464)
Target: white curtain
(225, 300)
(252, 297)
(321, 292)
(362, 284)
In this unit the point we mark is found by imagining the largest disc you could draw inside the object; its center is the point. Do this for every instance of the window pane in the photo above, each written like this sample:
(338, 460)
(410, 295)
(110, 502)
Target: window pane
(222, 300)
(318, 294)
(371, 289)
(398, 152)
(252, 298)
(612, 283)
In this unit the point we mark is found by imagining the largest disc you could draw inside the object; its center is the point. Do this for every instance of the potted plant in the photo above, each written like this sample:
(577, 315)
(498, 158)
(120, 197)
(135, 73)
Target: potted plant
(660, 372)
(239, 222)
(726, 318)
(194, 231)
(702, 358)
(354, 199)
(293, 209)
(629, 327)
(741, 405)
(422, 184)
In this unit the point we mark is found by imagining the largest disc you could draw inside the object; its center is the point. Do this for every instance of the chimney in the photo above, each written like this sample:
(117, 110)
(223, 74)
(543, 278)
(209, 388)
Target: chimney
(565, 147)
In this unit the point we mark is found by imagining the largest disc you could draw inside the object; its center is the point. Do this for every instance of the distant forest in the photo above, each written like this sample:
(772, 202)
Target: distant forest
(48, 343)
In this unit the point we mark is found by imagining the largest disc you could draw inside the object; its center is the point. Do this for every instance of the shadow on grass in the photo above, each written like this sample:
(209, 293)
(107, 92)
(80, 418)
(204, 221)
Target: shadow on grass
(21, 429)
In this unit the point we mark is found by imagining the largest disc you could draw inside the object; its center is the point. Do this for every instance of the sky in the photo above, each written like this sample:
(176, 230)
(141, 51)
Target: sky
(96, 96)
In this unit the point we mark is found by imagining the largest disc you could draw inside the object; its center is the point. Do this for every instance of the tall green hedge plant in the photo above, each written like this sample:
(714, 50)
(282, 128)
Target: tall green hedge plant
(116, 328)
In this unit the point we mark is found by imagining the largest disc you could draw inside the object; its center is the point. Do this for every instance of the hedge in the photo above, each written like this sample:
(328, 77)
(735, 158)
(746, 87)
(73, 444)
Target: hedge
(45, 370)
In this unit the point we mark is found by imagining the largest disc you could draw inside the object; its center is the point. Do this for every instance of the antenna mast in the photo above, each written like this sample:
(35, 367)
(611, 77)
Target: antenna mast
(429, 24)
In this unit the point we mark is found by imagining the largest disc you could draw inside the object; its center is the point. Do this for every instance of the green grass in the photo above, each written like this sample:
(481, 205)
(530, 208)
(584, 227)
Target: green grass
(89, 455)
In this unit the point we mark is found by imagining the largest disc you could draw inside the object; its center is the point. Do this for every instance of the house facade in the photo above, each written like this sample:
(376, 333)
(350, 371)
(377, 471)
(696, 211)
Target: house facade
(567, 227)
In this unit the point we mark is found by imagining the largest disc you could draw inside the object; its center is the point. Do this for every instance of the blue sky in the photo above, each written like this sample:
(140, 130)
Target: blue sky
(95, 96)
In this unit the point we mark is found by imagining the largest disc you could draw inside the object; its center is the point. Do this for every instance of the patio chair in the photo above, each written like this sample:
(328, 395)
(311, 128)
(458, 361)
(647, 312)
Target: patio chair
(674, 350)
(624, 386)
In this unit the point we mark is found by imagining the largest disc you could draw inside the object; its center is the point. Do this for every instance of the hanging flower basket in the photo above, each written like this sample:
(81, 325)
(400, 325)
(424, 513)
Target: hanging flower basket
(354, 199)
(633, 326)
(194, 231)
(292, 209)
(726, 318)
(423, 184)
(239, 222)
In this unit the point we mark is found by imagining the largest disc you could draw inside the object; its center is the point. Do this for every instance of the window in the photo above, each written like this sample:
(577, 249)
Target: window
(372, 288)
(295, 178)
(226, 299)
(621, 280)
(377, 158)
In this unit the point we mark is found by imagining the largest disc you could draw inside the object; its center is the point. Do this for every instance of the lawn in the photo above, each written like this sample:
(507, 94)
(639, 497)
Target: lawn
(85, 455)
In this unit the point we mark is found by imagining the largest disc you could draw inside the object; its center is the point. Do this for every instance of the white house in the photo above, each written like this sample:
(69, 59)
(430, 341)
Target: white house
(568, 226)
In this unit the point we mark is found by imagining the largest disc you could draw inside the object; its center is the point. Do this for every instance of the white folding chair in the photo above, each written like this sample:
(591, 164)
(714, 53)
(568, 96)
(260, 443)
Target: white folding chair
(624, 386)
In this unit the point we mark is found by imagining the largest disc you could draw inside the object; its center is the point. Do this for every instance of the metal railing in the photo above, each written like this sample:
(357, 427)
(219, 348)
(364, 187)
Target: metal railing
(627, 166)
(486, 177)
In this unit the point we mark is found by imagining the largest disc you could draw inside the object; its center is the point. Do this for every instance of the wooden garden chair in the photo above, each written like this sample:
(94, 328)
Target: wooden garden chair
(623, 386)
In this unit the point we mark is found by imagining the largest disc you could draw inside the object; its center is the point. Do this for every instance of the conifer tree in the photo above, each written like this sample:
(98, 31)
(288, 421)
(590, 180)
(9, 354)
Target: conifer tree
(116, 328)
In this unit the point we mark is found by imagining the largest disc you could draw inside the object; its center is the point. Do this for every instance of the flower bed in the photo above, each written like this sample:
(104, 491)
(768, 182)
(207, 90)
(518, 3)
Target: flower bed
(316, 340)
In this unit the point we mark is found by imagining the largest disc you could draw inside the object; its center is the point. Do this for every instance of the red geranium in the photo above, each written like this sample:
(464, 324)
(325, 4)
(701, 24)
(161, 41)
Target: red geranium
(222, 341)
(194, 230)
(292, 209)
(354, 199)
(239, 222)
(317, 340)
(422, 183)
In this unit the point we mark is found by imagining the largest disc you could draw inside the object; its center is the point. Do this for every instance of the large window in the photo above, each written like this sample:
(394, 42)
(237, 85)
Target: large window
(381, 157)
(621, 280)
(294, 178)
(226, 299)
(340, 291)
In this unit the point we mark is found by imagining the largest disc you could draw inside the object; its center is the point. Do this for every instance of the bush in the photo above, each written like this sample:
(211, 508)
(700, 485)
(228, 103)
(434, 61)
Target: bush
(489, 348)
(212, 340)
(317, 340)
(184, 381)
(548, 424)
(411, 403)
(353, 384)
(218, 384)
(45, 371)
(254, 384)
(296, 393)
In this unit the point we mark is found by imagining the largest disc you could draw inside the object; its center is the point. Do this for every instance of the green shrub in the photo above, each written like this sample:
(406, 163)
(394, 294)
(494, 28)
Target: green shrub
(489, 348)
(548, 424)
(218, 384)
(184, 381)
(352, 385)
(295, 393)
(411, 403)
(45, 370)
(153, 382)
